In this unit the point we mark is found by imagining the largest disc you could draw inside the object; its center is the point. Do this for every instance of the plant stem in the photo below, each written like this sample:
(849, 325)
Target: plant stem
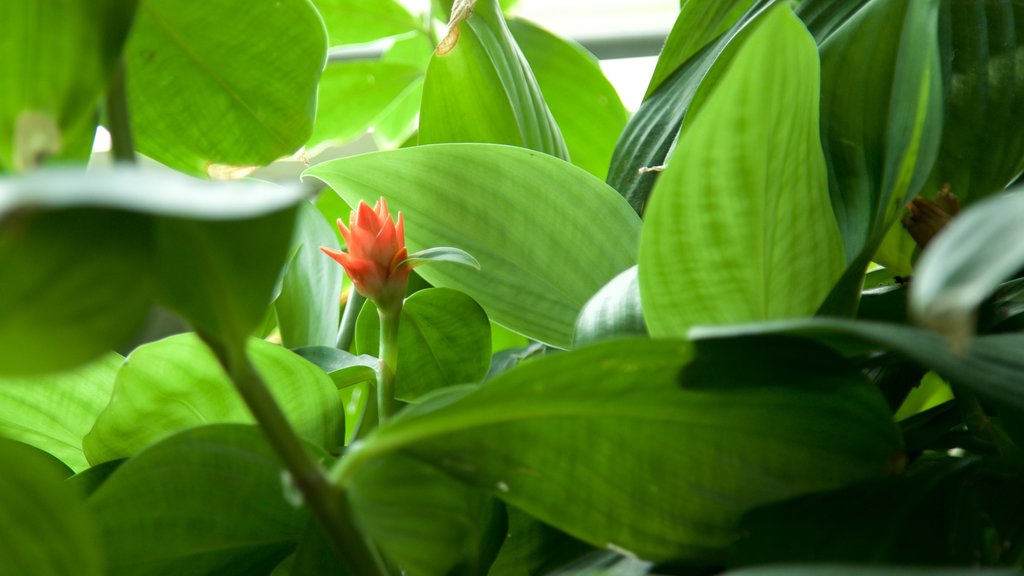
(389, 319)
(118, 120)
(328, 506)
(347, 329)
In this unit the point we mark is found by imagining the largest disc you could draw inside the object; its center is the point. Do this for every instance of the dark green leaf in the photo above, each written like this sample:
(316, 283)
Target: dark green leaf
(344, 368)
(533, 547)
(53, 412)
(57, 56)
(547, 234)
(214, 89)
(442, 254)
(853, 570)
(519, 437)
(206, 501)
(176, 383)
(739, 226)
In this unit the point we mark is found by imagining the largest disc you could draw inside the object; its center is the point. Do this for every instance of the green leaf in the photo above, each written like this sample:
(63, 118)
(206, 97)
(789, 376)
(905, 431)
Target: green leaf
(359, 21)
(55, 411)
(444, 339)
(425, 521)
(344, 368)
(698, 24)
(739, 227)
(533, 547)
(47, 529)
(309, 305)
(442, 254)
(855, 570)
(613, 312)
(881, 117)
(966, 263)
(588, 110)
(479, 198)
(484, 91)
(353, 95)
(177, 383)
(824, 17)
(207, 501)
(212, 88)
(520, 437)
(57, 57)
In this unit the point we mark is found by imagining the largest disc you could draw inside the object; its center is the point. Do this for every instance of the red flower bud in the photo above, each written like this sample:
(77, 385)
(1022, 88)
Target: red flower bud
(376, 252)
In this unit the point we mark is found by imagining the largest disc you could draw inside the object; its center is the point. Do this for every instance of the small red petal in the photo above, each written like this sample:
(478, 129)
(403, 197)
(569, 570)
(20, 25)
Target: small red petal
(367, 218)
(344, 231)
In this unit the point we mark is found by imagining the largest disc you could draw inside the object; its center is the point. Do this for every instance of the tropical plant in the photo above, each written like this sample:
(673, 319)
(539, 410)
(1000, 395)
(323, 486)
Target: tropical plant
(771, 323)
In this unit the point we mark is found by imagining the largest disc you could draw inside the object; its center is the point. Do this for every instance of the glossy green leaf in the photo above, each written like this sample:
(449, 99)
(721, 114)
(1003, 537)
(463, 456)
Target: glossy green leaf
(588, 110)
(53, 412)
(547, 234)
(483, 90)
(221, 276)
(981, 150)
(213, 88)
(177, 383)
(207, 501)
(739, 227)
(444, 338)
(966, 263)
(46, 528)
(697, 25)
(425, 521)
(353, 95)
(881, 116)
(57, 57)
(614, 311)
(309, 305)
(519, 437)
(359, 21)
(988, 365)
(651, 133)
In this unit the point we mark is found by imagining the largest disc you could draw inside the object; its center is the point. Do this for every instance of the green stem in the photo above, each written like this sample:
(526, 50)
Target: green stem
(348, 320)
(389, 319)
(118, 120)
(327, 505)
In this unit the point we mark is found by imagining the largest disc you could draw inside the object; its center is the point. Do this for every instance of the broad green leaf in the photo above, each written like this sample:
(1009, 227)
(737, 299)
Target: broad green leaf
(547, 234)
(177, 383)
(483, 90)
(398, 122)
(353, 95)
(206, 501)
(651, 133)
(981, 149)
(425, 521)
(444, 338)
(309, 305)
(588, 110)
(966, 263)
(613, 312)
(359, 21)
(57, 56)
(213, 88)
(550, 437)
(53, 412)
(989, 365)
(46, 528)
(944, 511)
(881, 117)
(739, 227)
(697, 25)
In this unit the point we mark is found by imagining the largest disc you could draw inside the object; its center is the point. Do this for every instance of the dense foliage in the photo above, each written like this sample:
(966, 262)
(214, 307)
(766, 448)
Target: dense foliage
(771, 323)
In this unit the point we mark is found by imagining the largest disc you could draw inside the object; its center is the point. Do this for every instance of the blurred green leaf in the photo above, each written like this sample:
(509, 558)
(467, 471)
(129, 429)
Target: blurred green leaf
(861, 570)
(309, 305)
(519, 437)
(46, 528)
(824, 17)
(206, 501)
(530, 203)
(533, 547)
(177, 383)
(614, 311)
(484, 91)
(359, 21)
(444, 338)
(57, 56)
(53, 412)
(739, 227)
(582, 101)
(213, 89)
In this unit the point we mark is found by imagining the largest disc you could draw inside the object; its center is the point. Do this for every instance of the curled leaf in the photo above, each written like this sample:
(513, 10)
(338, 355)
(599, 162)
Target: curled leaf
(441, 254)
